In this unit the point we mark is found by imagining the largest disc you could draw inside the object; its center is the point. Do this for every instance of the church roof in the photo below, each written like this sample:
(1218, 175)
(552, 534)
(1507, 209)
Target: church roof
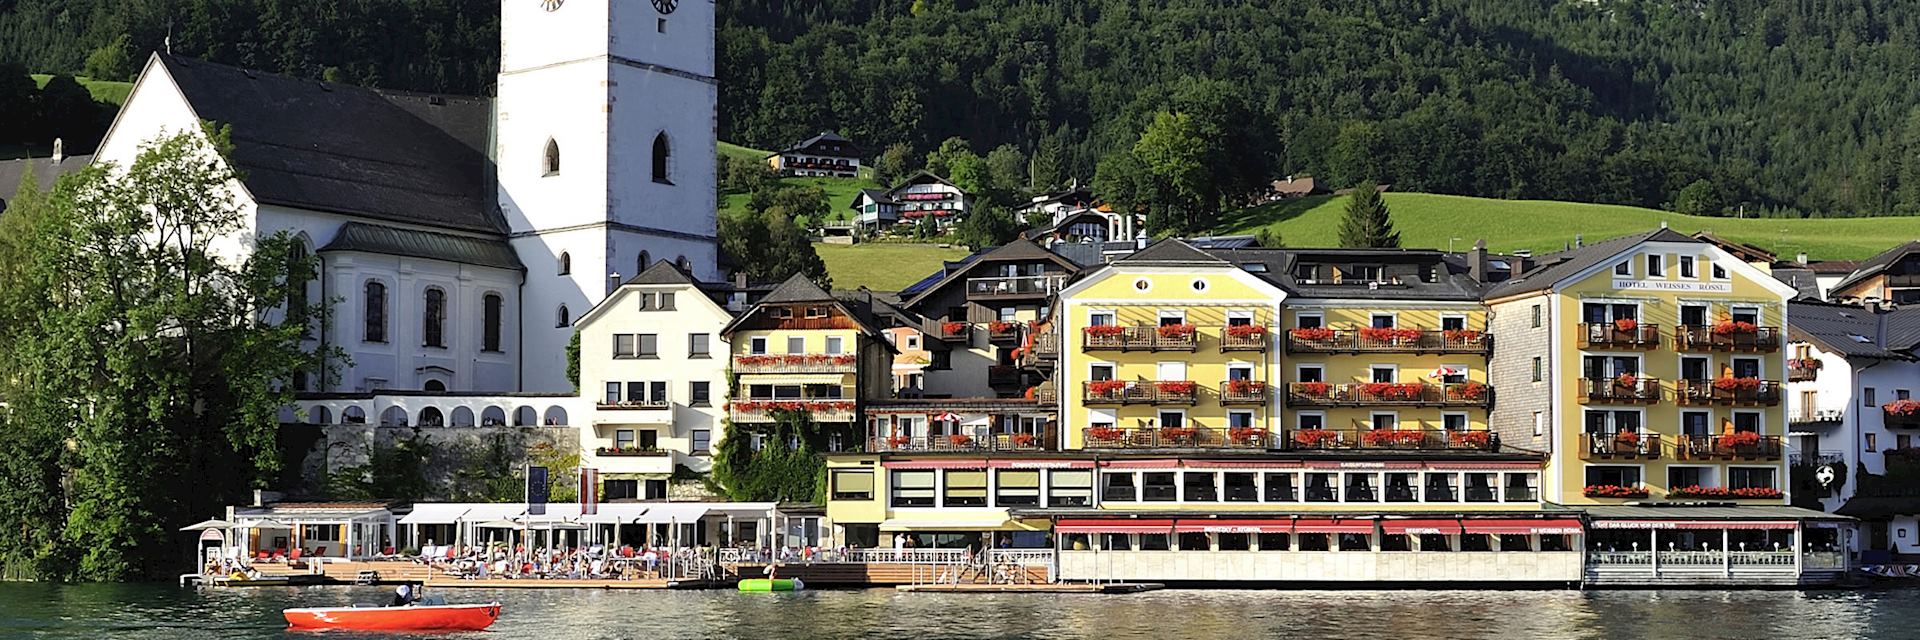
(386, 155)
(45, 171)
(414, 243)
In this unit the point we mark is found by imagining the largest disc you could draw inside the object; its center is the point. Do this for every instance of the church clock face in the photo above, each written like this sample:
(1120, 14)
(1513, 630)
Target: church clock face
(665, 6)
(551, 5)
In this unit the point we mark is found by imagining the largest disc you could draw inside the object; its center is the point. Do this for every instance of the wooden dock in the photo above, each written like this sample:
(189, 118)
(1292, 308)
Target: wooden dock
(541, 583)
(1111, 588)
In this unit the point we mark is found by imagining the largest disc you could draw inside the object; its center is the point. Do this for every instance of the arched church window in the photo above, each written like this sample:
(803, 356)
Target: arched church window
(566, 263)
(297, 293)
(684, 264)
(661, 155)
(433, 319)
(490, 307)
(551, 164)
(646, 260)
(376, 312)
(565, 319)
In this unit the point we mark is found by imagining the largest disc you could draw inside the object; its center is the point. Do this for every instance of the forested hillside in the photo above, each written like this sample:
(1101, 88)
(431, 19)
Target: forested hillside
(1783, 106)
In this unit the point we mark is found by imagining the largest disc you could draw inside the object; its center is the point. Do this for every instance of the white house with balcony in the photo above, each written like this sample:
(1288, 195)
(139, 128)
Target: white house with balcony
(654, 367)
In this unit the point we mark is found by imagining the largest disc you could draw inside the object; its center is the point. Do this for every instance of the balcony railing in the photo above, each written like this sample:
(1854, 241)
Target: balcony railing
(963, 442)
(1811, 416)
(1120, 392)
(1177, 438)
(764, 409)
(795, 363)
(1361, 394)
(1015, 286)
(1898, 416)
(630, 452)
(1737, 446)
(953, 331)
(1386, 439)
(1243, 392)
(1626, 444)
(1742, 337)
(1803, 370)
(1727, 391)
(1003, 330)
(1244, 337)
(1047, 393)
(1817, 459)
(1375, 340)
(634, 404)
(1624, 389)
(1612, 335)
(1140, 338)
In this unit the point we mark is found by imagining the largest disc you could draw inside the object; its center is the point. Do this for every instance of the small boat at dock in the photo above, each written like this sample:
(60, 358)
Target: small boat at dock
(447, 617)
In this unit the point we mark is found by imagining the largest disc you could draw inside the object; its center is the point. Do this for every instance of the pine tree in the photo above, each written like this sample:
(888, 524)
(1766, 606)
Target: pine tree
(1367, 223)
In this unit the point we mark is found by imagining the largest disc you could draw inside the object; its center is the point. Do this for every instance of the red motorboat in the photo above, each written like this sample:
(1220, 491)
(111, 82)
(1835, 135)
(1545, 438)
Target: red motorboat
(445, 617)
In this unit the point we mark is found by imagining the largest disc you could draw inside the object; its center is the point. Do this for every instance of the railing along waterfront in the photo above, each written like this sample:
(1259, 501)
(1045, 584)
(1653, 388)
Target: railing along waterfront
(1324, 394)
(1382, 340)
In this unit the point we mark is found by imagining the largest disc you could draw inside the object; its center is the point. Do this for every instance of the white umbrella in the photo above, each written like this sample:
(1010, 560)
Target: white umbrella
(268, 524)
(1443, 372)
(558, 526)
(208, 524)
(502, 524)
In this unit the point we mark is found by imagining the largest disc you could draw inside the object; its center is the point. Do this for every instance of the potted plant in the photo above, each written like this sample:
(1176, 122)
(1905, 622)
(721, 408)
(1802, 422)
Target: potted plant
(1312, 389)
(1696, 491)
(1469, 390)
(1741, 440)
(952, 328)
(1176, 331)
(1471, 439)
(1902, 411)
(960, 440)
(1730, 327)
(1106, 330)
(1378, 334)
(1241, 387)
(1174, 388)
(1315, 438)
(1312, 334)
(1000, 326)
(1106, 388)
(1247, 331)
(1614, 491)
(1461, 336)
(1626, 325)
(897, 441)
(1106, 434)
(1627, 382)
(1758, 493)
(1178, 435)
(1246, 435)
(1022, 440)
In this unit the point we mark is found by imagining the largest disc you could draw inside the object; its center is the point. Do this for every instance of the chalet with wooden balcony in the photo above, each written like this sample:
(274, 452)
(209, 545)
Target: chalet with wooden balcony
(802, 349)
(827, 154)
(1892, 276)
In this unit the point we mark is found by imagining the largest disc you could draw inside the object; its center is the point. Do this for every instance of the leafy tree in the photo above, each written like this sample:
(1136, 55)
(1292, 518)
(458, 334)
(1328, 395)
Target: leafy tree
(806, 204)
(768, 247)
(1269, 237)
(1367, 224)
(573, 360)
(113, 60)
(893, 164)
(987, 226)
(1006, 174)
(1699, 199)
(172, 364)
(1174, 158)
(954, 150)
(745, 175)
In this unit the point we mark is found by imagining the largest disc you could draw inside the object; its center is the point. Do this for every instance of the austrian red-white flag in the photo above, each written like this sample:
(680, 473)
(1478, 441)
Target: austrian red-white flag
(589, 491)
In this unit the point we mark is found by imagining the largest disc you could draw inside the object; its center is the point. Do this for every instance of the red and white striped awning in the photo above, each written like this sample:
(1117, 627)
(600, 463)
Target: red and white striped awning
(1113, 525)
(1522, 526)
(1333, 525)
(1419, 526)
(1224, 525)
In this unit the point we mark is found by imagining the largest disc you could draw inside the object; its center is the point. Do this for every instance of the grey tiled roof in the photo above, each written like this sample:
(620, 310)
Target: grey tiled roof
(1171, 251)
(1834, 328)
(1874, 265)
(797, 289)
(662, 272)
(1551, 268)
(393, 156)
(373, 238)
(1806, 285)
(1277, 266)
(44, 173)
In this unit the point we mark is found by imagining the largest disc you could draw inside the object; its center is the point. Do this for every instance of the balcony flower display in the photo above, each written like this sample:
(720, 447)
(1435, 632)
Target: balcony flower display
(1178, 387)
(1178, 434)
(1736, 384)
(1757, 493)
(1393, 390)
(1475, 439)
(1730, 327)
(1804, 364)
(1001, 326)
(1106, 387)
(1614, 491)
(1629, 438)
(1741, 439)
(1461, 336)
(754, 361)
(1388, 334)
(1022, 439)
(1106, 434)
(1626, 324)
(1626, 381)
(843, 359)
(1697, 491)
(1312, 389)
(1902, 408)
(1247, 330)
(960, 440)
(898, 441)
(1176, 331)
(1106, 330)
(1241, 387)
(1469, 390)
(1246, 435)
(1315, 437)
(1312, 334)
(1393, 437)
(951, 328)
(1030, 392)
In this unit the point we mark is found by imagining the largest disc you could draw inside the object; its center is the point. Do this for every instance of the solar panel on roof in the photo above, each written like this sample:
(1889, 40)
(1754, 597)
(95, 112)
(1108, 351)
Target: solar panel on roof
(1254, 267)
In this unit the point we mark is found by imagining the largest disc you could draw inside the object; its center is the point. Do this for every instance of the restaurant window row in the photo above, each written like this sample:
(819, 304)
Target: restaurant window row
(970, 487)
(1317, 541)
(1320, 486)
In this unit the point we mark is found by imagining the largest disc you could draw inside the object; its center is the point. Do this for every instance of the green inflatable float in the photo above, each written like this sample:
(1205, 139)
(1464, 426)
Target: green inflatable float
(766, 585)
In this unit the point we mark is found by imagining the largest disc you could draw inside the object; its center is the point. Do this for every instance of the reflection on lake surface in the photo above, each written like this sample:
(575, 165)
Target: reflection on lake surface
(163, 611)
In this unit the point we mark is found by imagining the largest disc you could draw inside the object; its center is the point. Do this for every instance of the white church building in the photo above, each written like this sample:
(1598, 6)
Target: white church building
(460, 237)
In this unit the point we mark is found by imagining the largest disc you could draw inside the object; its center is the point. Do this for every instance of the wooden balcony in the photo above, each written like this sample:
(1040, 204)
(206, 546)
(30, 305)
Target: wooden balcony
(1001, 375)
(795, 363)
(1141, 338)
(1042, 350)
(1611, 335)
(1901, 413)
(1735, 446)
(1733, 392)
(1120, 392)
(963, 443)
(1245, 337)
(1380, 394)
(1003, 288)
(630, 452)
(1730, 337)
(1615, 391)
(1386, 439)
(765, 409)
(1373, 340)
(1803, 370)
(1244, 392)
(952, 331)
(1003, 331)
(1176, 438)
(1625, 445)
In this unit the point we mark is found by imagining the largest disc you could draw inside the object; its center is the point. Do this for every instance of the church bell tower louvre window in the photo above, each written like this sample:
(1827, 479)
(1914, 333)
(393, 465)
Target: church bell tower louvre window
(551, 162)
(564, 320)
(662, 154)
(566, 263)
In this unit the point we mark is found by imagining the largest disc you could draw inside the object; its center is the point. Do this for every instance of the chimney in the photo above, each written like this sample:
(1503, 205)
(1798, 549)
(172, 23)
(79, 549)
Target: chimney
(1578, 241)
(739, 279)
(1801, 257)
(59, 151)
(1477, 261)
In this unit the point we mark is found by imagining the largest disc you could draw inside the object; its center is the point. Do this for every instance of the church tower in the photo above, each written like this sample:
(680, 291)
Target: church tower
(604, 148)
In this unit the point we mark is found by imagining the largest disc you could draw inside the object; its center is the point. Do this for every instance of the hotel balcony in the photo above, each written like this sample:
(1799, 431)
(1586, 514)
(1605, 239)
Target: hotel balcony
(796, 363)
(1141, 338)
(1177, 438)
(1727, 392)
(1626, 445)
(1042, 351)
(1376, 340)
(1379, 394)
(963, 443)
(1613, 335)
(1803, 370)
(1009, 287)
(1738, 337)
(1243, 337)
(1003, 331)
(1121, 392)
(1244, 392)
(1385, 439)
(1636, 390)
(821, 409)
(1808, 416)
(1047, 393)
(631, 460)
(1735, 446)
(953, 331)
(636, 405)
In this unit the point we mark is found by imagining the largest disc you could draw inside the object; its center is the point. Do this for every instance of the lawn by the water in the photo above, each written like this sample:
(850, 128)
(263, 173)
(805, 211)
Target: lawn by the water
(883, 267)
(1430, 221)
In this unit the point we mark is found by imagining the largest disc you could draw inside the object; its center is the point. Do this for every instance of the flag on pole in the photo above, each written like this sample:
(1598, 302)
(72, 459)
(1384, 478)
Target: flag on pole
(589, 491)
(536, 491)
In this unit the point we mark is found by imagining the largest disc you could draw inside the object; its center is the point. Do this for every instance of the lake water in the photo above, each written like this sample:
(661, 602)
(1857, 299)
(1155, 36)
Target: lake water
(162, 611)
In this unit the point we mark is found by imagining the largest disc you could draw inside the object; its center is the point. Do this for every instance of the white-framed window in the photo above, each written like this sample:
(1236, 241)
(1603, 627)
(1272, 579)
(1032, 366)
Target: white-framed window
(1539, 423)
(1453, 421)
(1384, 420)
(1309, 320)
(1453, 321)
(1656, 266)
(1623, 268)
(1172, 418)
(1383, 321)
(1383, 373)
(1173, 316)
(1097, 418)
(1101, 318)
(1305, 420)
(1236, 318)
(836, 345)
(1686, 268)
(796, 344)
(1457, 374)
(1239, 419)
(1310, 373)
(757, 346)
(1100, 371)
(1719, 272)
(1009, 314)
(1239, 371)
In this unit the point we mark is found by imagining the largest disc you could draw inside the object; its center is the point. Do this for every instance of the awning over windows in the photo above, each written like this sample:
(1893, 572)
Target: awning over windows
(1223, 525)
(1041, 464)
(1522, 526)
(1333, 525)
(1113, 525)
(1420, 526)
(935, 464)
(1694, 524)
